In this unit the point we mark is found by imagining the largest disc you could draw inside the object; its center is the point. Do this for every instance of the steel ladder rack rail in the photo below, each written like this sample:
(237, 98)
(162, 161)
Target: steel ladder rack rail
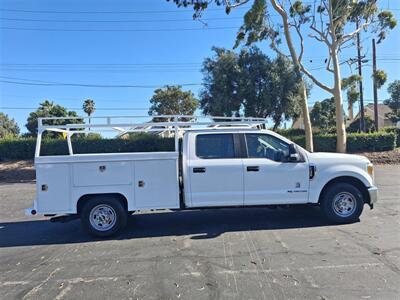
(173, 123)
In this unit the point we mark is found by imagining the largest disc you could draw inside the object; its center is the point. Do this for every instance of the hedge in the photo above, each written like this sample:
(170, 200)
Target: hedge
(291, 132)
(24, 148)
(396, 131)
(298, 134)
(356, 142)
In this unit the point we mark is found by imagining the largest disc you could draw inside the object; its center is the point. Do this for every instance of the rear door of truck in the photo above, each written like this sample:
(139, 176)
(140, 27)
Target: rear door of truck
(214, 170)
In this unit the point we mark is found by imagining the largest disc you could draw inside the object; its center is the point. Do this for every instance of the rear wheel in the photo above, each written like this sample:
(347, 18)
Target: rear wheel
(342, 203)
(103, 216)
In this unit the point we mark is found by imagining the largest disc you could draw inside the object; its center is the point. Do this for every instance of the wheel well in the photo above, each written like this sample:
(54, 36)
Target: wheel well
(347, 179)
(118, 197)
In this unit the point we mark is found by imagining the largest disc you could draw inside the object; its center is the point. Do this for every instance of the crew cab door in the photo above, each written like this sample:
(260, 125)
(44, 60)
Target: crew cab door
(269, 178)
(215, 170)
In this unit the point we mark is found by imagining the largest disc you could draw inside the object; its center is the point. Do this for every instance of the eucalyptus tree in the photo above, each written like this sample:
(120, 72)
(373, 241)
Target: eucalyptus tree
(325, 21)
(221, 73)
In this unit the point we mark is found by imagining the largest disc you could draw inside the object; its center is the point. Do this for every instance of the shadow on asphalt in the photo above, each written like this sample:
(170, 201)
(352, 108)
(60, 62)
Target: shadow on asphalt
(200, 224)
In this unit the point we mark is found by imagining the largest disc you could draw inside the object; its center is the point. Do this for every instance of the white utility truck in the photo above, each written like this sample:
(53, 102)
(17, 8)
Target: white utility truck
(236, 163)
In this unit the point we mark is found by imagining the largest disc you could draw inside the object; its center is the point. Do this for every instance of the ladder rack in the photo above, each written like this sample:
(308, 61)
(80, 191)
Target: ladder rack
(126, 124)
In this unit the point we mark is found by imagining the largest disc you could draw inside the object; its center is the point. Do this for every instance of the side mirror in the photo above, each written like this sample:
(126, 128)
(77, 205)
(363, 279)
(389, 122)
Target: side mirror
(293, 154)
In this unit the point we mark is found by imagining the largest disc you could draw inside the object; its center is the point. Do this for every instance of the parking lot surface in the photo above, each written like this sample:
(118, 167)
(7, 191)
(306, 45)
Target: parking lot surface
(253, 253)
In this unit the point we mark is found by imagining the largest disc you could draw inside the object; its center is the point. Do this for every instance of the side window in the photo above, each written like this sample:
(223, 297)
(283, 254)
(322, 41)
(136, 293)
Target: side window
(266, 146)
(211, 146)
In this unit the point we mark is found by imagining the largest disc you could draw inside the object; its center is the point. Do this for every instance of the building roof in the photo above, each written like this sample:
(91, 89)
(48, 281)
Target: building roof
(383, 109)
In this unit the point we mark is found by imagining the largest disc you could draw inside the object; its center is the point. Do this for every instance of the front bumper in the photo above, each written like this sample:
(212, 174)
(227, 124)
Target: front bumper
(373, 195)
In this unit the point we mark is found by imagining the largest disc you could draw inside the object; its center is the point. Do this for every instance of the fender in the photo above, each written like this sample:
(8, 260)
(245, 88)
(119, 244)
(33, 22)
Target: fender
(124, 191)
(327, 173)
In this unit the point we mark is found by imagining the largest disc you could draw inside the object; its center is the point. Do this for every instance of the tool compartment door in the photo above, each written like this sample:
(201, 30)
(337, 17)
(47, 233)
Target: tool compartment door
(102, 173)
(52, 187)
(156, 184)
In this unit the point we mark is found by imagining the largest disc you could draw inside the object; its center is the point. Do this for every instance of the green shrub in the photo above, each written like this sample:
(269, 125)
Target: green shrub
(322, 143)
(396, 131)
(24, 148)
(356, 142)
(17, 148)
(290, 132)
(355, 125)
(365, 142)
(329, 130)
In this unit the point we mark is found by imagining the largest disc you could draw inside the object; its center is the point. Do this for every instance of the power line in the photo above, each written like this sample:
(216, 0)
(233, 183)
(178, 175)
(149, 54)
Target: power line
(33, 82)
(102, 70)
(119, 21)
(109, 64)
(177, 10)
(388, 57)
(118, 30)
(95, 85)
(111, 12)
(108, 100)
(173, 64)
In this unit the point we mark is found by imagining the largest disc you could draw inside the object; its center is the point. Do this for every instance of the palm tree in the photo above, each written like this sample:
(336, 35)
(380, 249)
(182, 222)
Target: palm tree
(89, 108)
(352, 97)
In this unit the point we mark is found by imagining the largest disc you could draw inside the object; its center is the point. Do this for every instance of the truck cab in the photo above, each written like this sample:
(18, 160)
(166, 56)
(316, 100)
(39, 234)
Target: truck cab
(260, 167)
(216, 166)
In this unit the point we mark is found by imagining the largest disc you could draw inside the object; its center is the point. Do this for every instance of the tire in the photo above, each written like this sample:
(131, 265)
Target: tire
(342, 203)
(103, 216)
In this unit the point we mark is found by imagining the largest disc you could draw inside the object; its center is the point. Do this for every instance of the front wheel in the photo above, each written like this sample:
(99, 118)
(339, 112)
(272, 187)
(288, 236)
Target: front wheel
(103, 216)
(342, 203)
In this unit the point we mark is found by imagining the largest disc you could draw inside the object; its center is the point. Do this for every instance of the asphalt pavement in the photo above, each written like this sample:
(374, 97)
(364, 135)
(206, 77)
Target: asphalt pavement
(253, 253)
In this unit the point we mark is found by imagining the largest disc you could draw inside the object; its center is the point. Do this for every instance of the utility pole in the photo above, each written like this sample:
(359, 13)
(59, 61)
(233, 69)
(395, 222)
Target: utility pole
(360, 85)
(375, 88)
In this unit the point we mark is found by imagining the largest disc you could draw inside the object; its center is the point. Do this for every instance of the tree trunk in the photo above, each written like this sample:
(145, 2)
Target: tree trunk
(296, 63)
(277, 122)
(337, 93)
(306, 119)
(351, 114)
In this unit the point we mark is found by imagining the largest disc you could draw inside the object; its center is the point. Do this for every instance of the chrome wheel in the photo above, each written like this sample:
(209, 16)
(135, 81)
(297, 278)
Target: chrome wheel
(344, 204)
(102, 217)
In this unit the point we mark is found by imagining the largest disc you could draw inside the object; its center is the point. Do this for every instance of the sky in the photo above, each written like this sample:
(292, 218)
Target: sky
(124, 49)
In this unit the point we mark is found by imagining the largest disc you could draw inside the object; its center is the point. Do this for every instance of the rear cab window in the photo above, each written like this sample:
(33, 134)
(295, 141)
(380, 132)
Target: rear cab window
(215, 146)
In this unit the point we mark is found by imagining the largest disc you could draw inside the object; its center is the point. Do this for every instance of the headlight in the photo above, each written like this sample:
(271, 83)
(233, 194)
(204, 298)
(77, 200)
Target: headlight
(370, 170)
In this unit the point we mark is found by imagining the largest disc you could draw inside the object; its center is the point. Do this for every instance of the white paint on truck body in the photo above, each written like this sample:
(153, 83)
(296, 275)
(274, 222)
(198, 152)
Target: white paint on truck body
(151, 180)
(65, 179)
(334, 165)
